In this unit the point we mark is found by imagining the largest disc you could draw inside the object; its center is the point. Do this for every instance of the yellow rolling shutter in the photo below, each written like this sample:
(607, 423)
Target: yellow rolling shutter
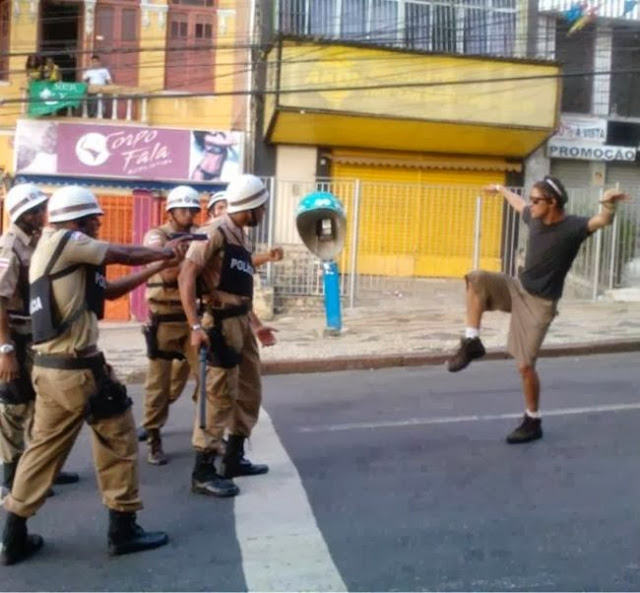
(417, 221)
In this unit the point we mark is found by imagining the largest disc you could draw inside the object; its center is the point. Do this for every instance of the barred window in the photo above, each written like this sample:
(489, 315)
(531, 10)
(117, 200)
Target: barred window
(449, 26)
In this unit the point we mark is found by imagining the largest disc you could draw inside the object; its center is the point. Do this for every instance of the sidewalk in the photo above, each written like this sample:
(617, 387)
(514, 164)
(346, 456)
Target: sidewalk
(402, 330)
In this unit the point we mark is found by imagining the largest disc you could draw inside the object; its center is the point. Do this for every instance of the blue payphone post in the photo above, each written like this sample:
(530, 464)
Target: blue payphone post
(322, 226)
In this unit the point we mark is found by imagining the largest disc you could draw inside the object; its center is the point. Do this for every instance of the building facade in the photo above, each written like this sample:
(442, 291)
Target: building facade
(599, 131)
(175, 111)
(409, 93)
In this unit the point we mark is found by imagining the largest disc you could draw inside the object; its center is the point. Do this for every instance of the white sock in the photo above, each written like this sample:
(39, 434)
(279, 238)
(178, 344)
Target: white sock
(532, 414)
(471, 332)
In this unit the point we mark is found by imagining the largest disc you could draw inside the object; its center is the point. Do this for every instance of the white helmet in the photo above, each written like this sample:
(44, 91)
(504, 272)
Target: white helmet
(215, 198)
(245, 192)
(22, 198)
(72, 202)
(183, 196)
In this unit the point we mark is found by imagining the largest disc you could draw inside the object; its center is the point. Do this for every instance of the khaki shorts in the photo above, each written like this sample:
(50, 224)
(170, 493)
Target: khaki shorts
(531, 315)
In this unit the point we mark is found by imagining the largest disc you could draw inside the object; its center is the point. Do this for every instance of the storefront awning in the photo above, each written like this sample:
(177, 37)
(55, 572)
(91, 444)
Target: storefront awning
(399, 100)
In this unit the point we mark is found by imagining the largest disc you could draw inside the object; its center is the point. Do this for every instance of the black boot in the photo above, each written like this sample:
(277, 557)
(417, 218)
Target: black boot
(142, 433)
(235, 463)
(127, 537)
(67, 478)
(205, 479)
(17, 544)
(8, 473)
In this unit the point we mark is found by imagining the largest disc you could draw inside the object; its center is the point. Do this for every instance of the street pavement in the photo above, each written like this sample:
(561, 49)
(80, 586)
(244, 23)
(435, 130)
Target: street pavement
(417, 326)
(389, 480)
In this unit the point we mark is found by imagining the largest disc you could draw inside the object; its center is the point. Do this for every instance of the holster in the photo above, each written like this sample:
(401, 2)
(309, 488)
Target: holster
(150, 332)
(109, 400)
(110, 397)
(220, 354)
(20, 390)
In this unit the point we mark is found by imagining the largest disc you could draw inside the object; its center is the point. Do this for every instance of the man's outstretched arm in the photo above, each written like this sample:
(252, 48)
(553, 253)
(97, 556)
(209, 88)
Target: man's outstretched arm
(516, 201)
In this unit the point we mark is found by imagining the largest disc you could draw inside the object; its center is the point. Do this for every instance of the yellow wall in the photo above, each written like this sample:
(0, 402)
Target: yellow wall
(24, 33)
(424, 87)
(397, 232)
(222, 112)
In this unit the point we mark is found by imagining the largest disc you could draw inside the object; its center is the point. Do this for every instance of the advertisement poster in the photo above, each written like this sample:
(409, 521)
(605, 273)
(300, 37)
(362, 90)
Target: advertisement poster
(215, 155)
(112, 151)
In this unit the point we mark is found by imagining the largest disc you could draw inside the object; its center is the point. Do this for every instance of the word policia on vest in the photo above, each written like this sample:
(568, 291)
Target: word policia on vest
(241, 266)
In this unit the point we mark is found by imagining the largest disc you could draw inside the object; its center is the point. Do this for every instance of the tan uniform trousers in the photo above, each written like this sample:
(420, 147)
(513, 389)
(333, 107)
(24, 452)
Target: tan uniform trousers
(16, 420)
(233, 395)
(166, 379)
(531, 315)
(58, 418)
(16, 423)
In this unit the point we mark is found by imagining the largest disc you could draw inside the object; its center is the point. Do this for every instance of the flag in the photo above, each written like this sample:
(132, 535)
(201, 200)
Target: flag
(629, 5)
(574, 12)
(48, 97)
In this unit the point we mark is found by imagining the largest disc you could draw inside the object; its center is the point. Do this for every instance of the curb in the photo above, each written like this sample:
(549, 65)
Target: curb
(384, 361)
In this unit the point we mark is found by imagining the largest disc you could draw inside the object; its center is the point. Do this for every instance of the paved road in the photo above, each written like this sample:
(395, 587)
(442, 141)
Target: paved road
(385, 480)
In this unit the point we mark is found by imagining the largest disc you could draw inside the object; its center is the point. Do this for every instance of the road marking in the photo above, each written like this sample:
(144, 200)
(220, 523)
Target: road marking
(470, 418)
(281, 544)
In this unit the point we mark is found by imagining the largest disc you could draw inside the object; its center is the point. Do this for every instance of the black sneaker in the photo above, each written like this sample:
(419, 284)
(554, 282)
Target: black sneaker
(529, 430)
(142, 434)
(470, 349)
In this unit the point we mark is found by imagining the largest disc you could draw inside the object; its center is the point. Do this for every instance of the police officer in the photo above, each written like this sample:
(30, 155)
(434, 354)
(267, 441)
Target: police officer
(217, 205)
(70, 375)
(26, 205)
(167, 333)
(233, 385)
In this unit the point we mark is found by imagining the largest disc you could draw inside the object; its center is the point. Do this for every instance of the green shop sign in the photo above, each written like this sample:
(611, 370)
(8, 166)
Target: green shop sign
(48, 97)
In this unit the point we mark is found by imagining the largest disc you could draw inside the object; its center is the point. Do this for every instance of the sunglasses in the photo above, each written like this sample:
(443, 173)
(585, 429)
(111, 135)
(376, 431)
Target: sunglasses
(534, 201)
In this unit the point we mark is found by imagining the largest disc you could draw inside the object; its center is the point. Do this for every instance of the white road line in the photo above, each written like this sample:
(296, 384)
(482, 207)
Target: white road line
(281, 544)
(471, 418)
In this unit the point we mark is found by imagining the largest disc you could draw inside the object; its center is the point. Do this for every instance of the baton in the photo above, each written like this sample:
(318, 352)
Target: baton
(202, 402)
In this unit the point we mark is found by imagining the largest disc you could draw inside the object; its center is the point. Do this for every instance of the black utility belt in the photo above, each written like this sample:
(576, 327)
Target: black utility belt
(168, 317)
(228, 312)
(70, 363)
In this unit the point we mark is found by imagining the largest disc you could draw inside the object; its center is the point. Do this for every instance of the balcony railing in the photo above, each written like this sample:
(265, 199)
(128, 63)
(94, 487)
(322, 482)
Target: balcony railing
(112, 102)
(478, 27)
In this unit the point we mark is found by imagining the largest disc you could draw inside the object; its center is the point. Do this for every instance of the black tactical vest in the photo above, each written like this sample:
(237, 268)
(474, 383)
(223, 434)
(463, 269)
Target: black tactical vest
(45, 317)
(236, 273)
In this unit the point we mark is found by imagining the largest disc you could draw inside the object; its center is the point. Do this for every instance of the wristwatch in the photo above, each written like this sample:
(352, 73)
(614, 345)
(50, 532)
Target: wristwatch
(194, 328)
(7, 348)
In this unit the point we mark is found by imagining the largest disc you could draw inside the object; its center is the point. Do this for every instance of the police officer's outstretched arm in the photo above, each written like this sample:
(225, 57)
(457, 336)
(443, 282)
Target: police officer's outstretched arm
(135, 255)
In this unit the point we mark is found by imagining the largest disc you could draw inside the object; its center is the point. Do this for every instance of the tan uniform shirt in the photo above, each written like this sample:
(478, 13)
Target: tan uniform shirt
(208, 255)
(16, 250)
(160, 296)
(69, 290)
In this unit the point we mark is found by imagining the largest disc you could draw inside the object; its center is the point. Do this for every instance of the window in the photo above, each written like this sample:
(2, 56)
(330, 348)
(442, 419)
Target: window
(5, 24)
(116, 29)
(576, 53)
(190, 45)
(448, 26)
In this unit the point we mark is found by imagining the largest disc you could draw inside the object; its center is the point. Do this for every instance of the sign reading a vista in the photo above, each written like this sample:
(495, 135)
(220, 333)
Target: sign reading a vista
(589, 152)
(582, 129)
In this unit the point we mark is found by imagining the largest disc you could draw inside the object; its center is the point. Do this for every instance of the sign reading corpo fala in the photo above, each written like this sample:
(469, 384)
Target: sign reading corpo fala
(99, 150)
(122, 151)
(590, 152)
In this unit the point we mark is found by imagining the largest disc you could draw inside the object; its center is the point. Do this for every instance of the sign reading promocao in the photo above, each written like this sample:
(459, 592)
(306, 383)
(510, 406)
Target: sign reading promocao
(589, 152)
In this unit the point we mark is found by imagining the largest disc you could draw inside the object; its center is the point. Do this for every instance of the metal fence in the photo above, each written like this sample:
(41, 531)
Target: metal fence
(400, 233)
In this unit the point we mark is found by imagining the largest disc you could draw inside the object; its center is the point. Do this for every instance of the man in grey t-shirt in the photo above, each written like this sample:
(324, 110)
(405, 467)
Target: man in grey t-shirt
(554, 241)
